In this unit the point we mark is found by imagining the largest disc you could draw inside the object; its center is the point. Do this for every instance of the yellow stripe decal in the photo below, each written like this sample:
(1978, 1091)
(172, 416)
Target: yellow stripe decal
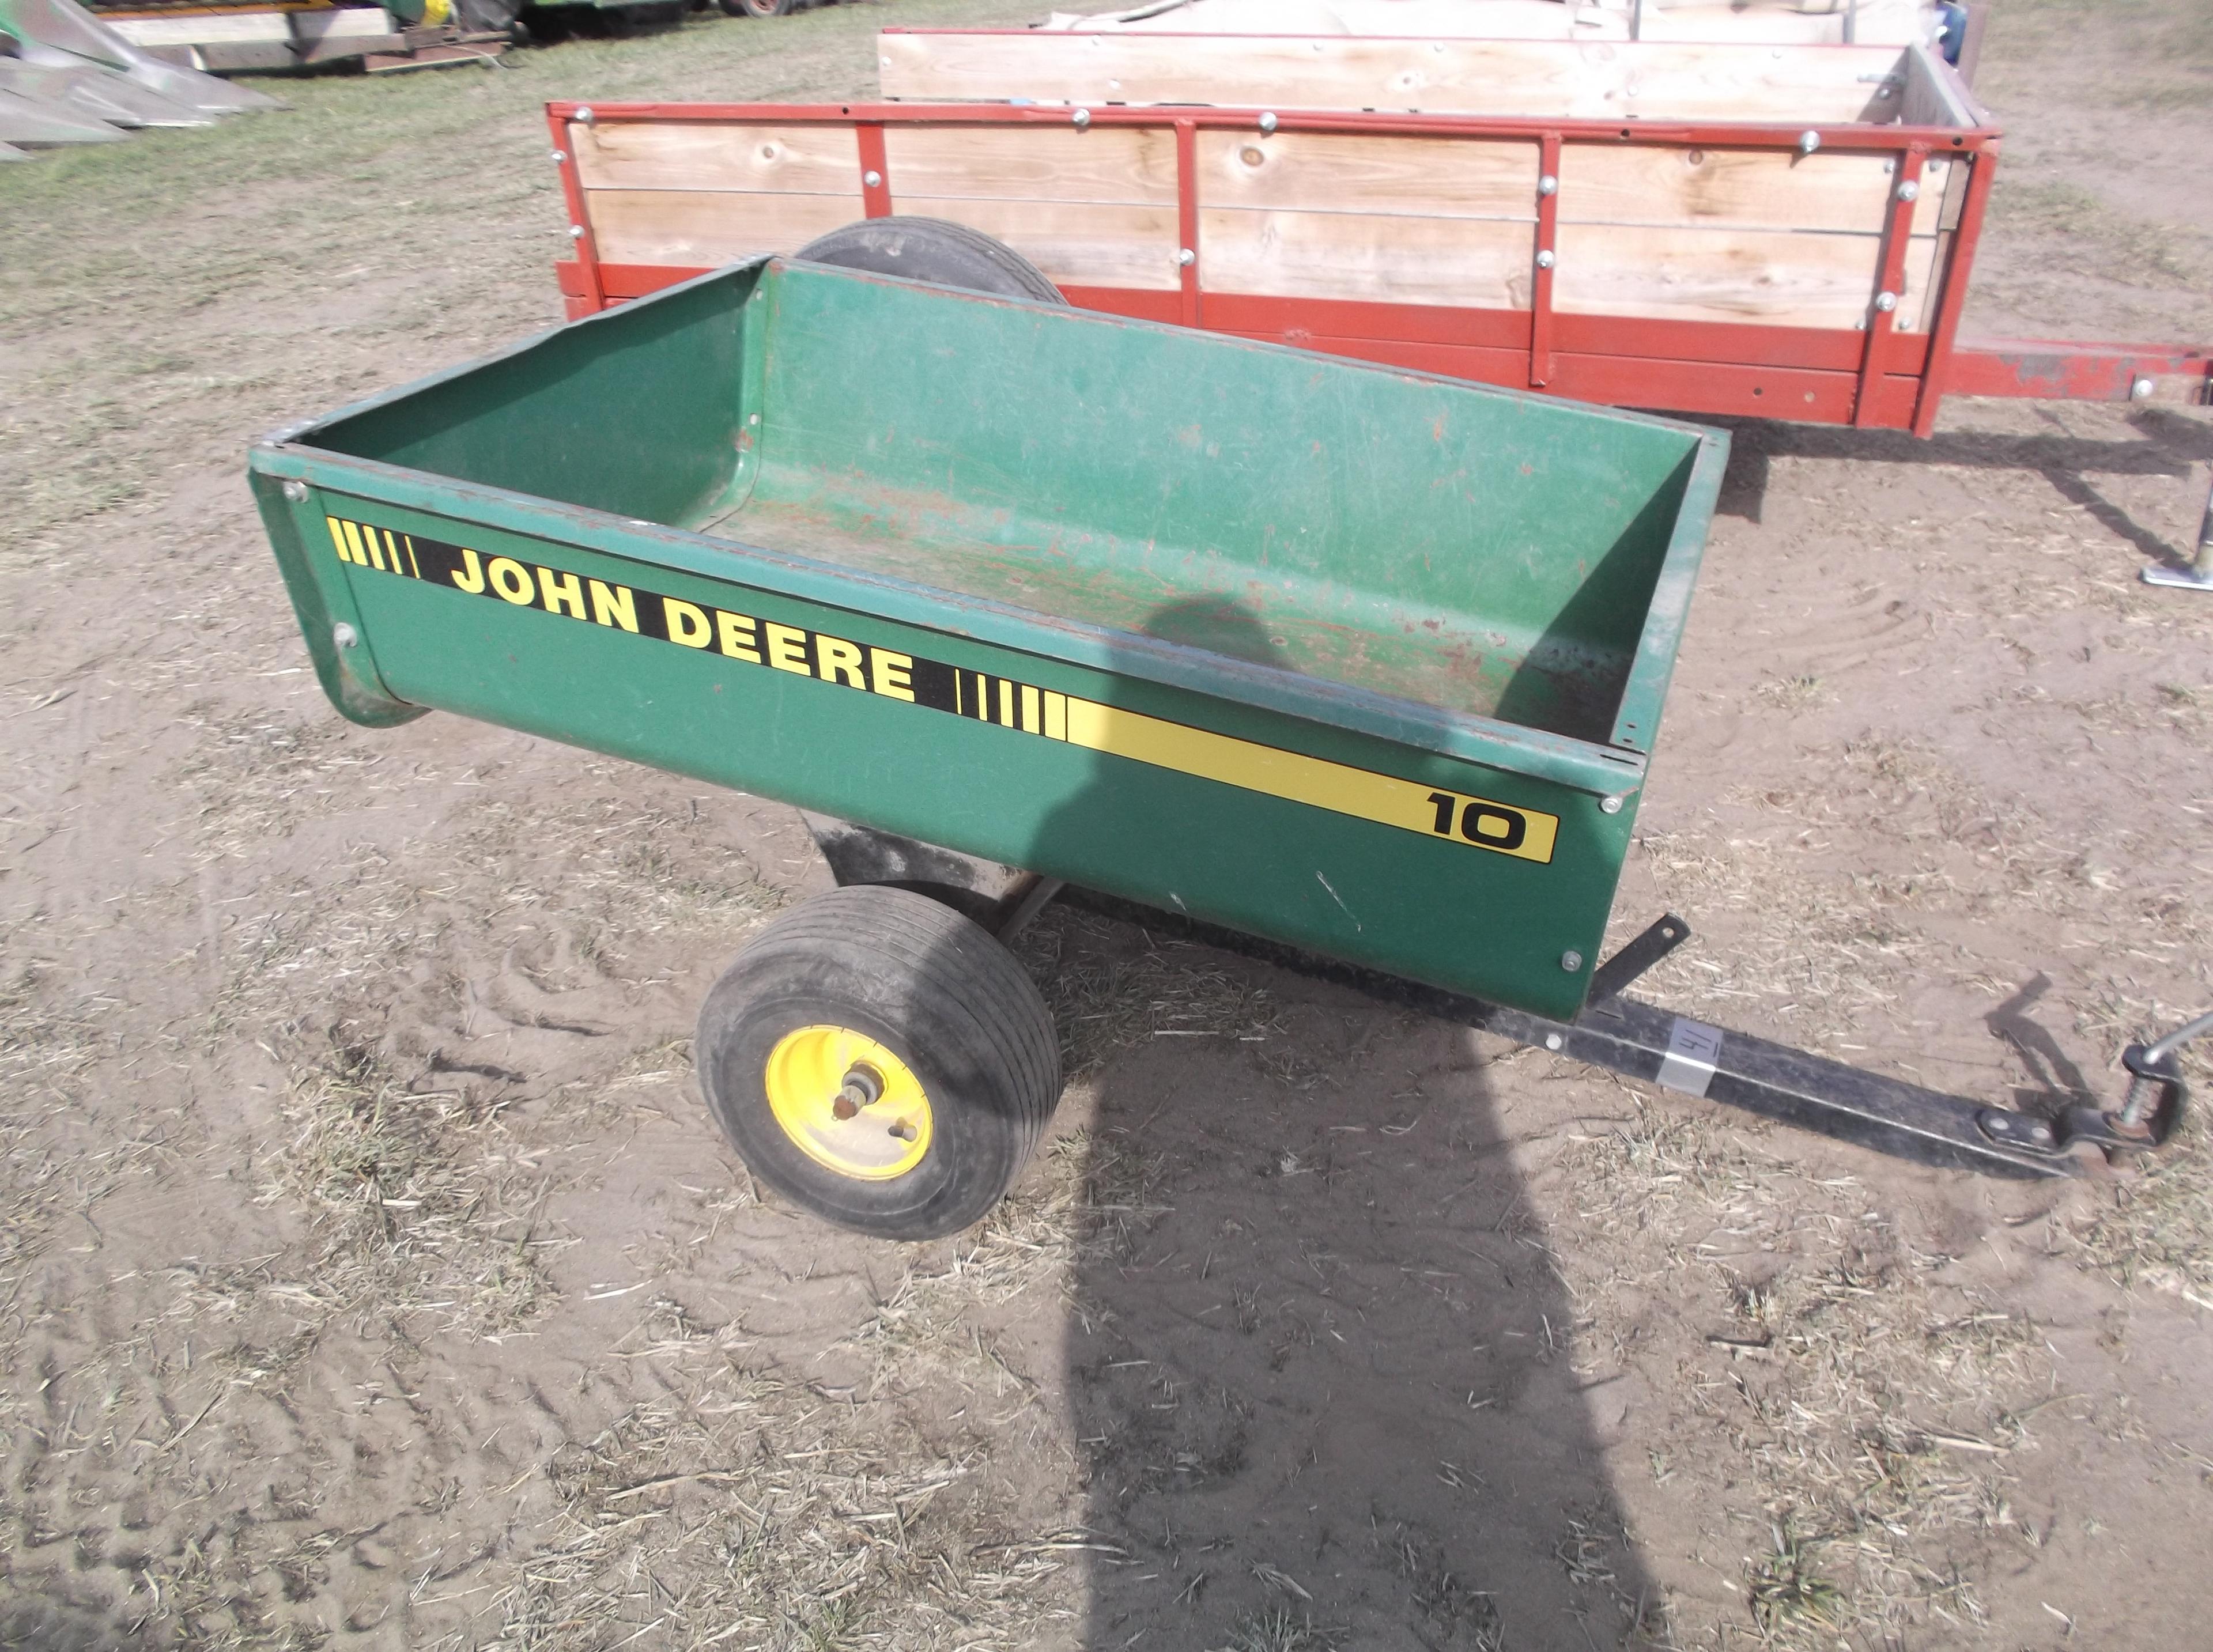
(1316, 782)
(1033, 712)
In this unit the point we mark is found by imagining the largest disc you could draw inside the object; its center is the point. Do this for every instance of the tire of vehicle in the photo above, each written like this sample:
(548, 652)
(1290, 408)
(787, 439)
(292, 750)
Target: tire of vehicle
(933, 250)
(756, 8)
(490, 16)
(881, 1061)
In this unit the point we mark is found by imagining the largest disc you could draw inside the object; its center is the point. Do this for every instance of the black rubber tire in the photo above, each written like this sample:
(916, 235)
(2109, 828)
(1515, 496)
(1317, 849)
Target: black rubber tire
(937, 992)
(933, 250)
(490, 16)
(756, 8)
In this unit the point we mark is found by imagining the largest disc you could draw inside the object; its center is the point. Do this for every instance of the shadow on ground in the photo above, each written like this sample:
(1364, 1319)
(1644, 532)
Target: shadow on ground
(2172, 444)
(1323, 1371)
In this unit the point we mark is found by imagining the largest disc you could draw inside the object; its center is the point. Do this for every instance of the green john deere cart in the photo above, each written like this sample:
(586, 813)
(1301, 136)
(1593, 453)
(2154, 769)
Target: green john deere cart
(1358, 668)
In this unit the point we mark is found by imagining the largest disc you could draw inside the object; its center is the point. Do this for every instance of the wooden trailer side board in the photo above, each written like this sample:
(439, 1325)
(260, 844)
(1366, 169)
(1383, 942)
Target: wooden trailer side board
(1511, 251)
(1572, 80)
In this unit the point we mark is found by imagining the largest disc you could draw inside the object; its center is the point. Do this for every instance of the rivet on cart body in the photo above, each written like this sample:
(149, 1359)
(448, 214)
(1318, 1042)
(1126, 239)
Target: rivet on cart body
(1609, 805)
(1571, 962)
(296, 492)
(1267, 121)
(344, 635)
(584, 116)
(1081, 117)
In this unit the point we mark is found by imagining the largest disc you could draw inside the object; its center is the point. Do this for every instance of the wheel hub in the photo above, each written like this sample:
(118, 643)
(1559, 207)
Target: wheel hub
(848, 1103)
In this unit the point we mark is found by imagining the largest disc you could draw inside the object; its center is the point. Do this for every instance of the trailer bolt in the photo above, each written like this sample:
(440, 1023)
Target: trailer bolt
(1548, 185)
(1909, 190)
(2039, 1133)
(2140, 389)
(1552, 1040)
(1081, 117)
(344, 635)
(1571, 962)
(1267, 121)
(1609, 805)
(1886, 302)
(584, 117)
(1809, 141)
(1185, 256)
(296, 492)
(871, 179)
(576, 232)
(1546, 260)
(559, 155)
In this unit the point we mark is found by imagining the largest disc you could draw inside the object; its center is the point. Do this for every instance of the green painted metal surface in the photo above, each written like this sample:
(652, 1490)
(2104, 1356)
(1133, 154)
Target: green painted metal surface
(1345, 656)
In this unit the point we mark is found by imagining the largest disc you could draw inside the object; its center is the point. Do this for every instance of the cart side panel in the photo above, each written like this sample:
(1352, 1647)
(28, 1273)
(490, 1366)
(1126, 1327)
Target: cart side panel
(641, 420)
(1474, 878)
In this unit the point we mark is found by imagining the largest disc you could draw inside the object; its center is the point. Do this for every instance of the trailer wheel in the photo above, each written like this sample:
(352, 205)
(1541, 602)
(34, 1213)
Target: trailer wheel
(756, 8)
(933, 250)
(881, 1060)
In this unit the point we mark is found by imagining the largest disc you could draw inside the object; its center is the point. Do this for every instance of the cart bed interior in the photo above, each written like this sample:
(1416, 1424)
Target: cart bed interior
(1486, 554)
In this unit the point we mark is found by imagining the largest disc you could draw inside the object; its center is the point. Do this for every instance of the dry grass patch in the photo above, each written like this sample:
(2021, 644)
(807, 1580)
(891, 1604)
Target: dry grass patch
(1862, 1406)
(750, 1509)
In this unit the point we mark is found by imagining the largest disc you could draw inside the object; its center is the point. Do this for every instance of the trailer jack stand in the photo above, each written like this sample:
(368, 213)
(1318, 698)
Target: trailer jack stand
(2198, 575)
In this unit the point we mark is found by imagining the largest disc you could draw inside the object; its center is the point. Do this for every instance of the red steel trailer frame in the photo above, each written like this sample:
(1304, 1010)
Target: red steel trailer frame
(1874, 375)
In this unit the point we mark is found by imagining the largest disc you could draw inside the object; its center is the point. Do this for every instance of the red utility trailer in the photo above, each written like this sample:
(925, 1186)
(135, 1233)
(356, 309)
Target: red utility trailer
(1779, 232)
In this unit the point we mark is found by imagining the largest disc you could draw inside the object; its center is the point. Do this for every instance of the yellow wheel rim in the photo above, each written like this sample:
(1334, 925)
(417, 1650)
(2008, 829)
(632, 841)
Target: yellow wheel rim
(848, 1103)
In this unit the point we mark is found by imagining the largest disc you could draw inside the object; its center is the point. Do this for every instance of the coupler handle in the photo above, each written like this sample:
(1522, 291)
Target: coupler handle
(2154, 1104)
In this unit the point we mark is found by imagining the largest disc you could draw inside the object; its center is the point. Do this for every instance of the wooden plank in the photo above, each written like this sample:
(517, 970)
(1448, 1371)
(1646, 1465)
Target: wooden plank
(1326, 172)
(1924, 258)
(1563, 79)
(1129, 165)
(704, 228)
(1377, 257)
(244, 29)
(1084, 243)
(1783, 279)
(1935, 95)
(1751, 189)
(719, 155)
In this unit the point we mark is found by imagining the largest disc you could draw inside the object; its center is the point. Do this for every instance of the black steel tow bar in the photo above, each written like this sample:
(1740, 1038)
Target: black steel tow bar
(1676, 1053)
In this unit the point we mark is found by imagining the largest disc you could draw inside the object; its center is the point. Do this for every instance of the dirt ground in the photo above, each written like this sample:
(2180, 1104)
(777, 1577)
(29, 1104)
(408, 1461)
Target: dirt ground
(371, 1275)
